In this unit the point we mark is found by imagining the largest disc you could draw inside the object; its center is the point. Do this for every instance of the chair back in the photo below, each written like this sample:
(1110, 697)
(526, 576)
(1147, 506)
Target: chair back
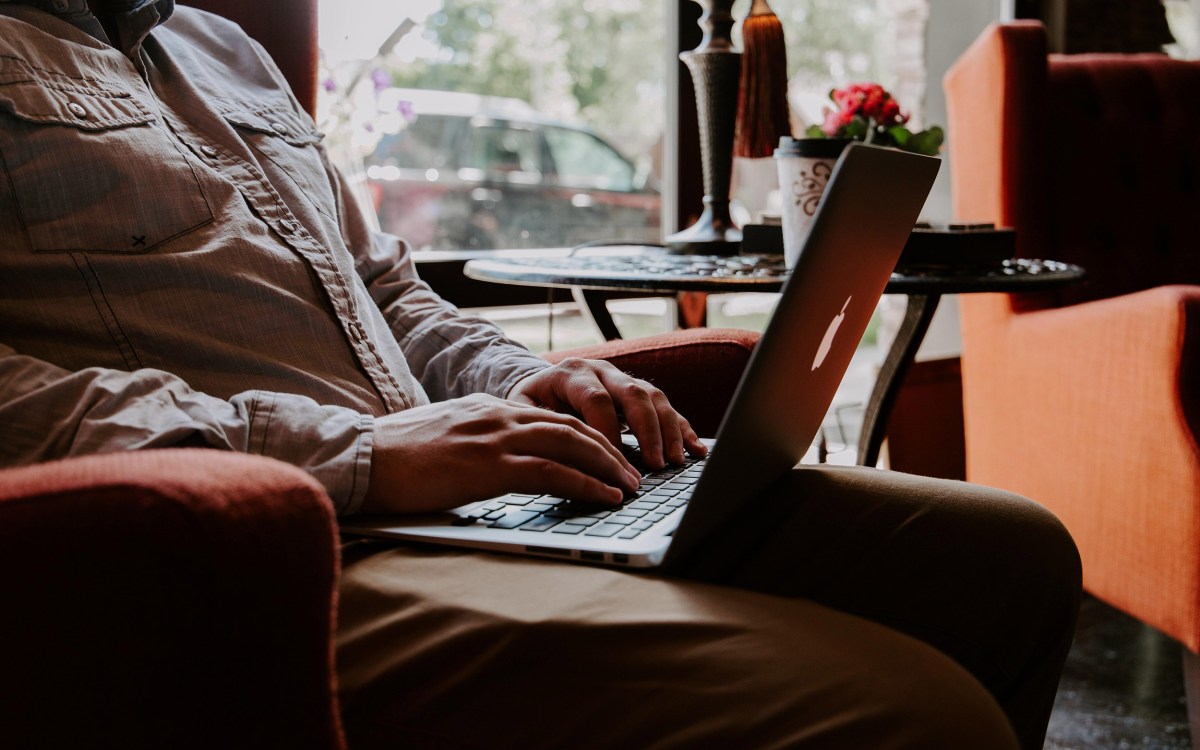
(1094, 159)
(288, 31)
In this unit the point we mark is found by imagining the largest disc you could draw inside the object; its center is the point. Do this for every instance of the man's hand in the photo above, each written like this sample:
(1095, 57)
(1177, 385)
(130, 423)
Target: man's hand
(454, 452)
(601, 394)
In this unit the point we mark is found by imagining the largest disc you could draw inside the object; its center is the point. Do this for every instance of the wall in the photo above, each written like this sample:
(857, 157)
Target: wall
(953, 26)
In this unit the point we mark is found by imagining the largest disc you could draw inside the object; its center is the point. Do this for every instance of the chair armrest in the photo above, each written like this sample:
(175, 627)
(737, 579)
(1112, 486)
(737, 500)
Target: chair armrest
(170, 598)
(1111, 388)
(1126, 363)
(698, 368)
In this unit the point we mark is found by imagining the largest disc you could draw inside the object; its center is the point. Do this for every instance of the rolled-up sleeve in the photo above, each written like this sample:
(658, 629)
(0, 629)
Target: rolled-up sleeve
(452, 354)
(51, 413)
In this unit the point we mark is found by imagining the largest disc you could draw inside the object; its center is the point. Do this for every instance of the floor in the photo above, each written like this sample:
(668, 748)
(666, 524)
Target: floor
(1122, 687)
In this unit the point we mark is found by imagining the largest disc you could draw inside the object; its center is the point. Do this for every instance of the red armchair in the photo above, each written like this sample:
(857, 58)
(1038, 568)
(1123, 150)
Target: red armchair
(175, 598)
(1088, 401)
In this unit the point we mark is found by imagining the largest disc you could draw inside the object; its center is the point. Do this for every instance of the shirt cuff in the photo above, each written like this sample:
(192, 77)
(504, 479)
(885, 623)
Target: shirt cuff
(332, 443)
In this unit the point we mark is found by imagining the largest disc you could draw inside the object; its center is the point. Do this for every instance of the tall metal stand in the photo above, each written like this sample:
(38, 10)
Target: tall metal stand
(716, 69)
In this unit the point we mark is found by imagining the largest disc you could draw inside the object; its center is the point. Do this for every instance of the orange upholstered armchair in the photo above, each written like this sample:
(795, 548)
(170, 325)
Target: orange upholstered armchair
(1088, 401)
(185, 598)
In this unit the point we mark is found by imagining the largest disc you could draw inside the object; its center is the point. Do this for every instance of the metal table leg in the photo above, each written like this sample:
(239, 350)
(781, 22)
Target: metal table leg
(592, 302)
(918, 312)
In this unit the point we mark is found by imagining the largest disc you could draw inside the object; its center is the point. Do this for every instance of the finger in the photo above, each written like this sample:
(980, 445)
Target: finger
(587, 394)
(690, 439)
(568, 439)
(641, 413)
(669, 422)
(542, 474)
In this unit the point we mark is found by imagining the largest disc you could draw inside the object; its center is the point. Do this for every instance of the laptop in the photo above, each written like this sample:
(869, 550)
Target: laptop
(869, 207)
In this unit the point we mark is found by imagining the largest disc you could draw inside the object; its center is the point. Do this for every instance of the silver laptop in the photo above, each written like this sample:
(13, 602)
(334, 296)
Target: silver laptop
(868, 210)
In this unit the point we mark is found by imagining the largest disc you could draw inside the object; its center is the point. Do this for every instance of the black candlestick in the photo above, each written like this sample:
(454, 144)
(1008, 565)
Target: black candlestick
(715, 68)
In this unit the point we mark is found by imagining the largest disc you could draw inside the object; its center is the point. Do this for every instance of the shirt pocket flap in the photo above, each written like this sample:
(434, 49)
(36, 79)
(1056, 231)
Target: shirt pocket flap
(276, 122)
(89, 105)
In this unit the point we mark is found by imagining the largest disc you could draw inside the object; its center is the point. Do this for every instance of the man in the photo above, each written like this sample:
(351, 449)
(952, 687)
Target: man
(179, 265)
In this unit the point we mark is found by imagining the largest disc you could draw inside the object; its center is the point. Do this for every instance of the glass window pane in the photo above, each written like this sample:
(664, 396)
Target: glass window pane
(500, 123)
(583, 161)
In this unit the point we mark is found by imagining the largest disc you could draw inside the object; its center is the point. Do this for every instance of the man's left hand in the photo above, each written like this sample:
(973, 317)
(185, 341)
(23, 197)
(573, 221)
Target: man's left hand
(601, 395)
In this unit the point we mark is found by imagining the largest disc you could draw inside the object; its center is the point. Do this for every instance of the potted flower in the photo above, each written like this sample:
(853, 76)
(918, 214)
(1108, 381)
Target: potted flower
(867, 112)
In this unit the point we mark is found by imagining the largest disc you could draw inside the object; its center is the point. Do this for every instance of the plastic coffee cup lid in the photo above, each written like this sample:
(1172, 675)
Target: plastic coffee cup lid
(813, 148)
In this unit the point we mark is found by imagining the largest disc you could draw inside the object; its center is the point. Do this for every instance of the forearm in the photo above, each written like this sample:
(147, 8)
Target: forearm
(52, 413)
(450, 353)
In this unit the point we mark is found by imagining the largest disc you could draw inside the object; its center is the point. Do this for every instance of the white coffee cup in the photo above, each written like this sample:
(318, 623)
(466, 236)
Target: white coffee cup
(805, 165)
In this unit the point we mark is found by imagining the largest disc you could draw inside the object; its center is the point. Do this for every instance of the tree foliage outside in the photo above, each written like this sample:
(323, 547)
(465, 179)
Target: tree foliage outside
(604, 62)
(601, 62)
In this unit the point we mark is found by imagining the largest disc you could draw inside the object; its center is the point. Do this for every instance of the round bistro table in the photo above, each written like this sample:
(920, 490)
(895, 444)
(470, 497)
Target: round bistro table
(589, 272)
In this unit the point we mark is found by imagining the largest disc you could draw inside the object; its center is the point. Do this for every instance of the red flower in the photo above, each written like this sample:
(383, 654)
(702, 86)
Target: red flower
(867, 112)
(836, 120)
(871, 101)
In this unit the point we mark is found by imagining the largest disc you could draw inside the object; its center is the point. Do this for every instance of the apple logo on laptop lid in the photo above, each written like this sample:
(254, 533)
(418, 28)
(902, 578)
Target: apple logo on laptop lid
(827, 342)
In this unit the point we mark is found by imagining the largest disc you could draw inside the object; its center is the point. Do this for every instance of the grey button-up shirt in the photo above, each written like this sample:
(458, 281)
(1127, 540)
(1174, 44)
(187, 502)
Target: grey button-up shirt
(181, 265)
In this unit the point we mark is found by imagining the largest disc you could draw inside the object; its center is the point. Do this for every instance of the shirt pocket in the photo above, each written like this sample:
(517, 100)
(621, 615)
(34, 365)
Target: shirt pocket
(287, 149)
(90, 167)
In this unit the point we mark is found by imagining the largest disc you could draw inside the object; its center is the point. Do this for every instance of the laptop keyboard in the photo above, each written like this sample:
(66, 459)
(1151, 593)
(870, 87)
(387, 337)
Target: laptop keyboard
(659, 497)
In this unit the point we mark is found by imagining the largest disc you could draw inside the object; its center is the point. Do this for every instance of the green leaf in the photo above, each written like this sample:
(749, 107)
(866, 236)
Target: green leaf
(899, 135)
(814, 131)
(928, 142)
(857, 129)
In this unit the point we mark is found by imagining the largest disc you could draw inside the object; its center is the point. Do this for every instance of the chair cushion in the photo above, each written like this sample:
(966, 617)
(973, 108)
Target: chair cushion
(1123, 171)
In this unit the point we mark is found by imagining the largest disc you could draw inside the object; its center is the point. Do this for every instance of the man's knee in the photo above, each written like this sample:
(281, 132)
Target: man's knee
(932, 705)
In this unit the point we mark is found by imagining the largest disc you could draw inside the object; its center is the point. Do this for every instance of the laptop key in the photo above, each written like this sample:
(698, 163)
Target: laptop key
(582, 521)
(514, 519)
(541, 523)
(630, 513)
(567, 528)
(629, 533)
(604, 529)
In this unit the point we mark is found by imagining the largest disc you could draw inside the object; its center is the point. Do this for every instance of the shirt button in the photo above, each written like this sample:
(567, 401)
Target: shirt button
(209, 151)
(288, 226)
(279, 127)
(77, 108)
(60, 5)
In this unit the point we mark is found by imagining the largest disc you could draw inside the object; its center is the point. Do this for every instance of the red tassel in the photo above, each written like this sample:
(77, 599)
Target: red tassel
(763, 114)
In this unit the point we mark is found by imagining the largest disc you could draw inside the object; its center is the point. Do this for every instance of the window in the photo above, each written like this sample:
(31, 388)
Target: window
(583, 161)
(508, 114)
(531, 123)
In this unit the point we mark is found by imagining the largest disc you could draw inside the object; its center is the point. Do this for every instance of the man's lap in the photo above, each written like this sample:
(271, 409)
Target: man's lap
(472, 649)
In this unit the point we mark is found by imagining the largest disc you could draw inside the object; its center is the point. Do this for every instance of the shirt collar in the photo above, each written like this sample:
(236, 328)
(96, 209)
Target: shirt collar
(77, 13)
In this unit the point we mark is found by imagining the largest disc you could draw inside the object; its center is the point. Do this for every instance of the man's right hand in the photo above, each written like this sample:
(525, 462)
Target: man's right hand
(454, 452)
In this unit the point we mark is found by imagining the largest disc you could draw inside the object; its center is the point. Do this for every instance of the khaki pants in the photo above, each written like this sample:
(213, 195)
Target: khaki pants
(855, 608)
